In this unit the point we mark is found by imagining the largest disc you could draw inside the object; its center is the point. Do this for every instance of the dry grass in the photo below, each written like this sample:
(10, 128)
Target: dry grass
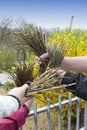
(23, 73)
(42, 122)
(3, 91)
(34, 37)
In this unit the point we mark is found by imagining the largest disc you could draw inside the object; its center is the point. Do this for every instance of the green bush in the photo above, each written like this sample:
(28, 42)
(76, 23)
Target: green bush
(7, 57)
(9, 85)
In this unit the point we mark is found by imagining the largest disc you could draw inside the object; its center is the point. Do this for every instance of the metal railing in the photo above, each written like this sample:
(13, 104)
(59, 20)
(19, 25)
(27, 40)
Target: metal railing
(59, 105)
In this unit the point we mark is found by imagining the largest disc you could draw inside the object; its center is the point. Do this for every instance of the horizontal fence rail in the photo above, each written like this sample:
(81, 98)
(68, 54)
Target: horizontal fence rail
(59, 105)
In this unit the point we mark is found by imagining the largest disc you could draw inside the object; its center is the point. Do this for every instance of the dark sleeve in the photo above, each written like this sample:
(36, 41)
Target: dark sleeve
(80, 89)
(15, 120)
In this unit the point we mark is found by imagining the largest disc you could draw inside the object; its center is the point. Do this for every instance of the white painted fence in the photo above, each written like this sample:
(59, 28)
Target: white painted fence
(59, 105)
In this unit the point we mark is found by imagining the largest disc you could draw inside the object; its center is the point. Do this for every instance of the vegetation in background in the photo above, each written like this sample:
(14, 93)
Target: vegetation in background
(75, 40)
(9, 85)
(7, 57)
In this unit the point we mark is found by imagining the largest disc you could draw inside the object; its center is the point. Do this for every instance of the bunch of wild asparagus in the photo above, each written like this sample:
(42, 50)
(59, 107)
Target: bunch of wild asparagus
(36, 40)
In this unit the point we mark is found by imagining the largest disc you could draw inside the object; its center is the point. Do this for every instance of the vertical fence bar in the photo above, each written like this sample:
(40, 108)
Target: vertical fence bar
(59, 114)
(78, 114)
(59, 105)
(48, 113)
(69, 112)
(85, 117)
(35, 116)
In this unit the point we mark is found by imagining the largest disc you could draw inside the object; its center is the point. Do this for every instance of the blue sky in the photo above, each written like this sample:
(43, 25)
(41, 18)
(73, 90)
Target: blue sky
(46, 13)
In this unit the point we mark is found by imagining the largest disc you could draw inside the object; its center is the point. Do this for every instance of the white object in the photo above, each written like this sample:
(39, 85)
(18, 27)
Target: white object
(8, 105)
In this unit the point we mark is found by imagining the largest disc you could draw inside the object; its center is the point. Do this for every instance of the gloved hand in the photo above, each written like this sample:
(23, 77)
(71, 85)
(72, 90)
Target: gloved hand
(80, 88)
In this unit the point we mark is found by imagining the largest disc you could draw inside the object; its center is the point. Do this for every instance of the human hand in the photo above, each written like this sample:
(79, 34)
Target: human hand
(19, 92)
(29, 102)
(39, 60)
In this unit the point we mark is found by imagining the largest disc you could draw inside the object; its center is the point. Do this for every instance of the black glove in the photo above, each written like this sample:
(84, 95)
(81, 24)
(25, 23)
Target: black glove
(80, 88)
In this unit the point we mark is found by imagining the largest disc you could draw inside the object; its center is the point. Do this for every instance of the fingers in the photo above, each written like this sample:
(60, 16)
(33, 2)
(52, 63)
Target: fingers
(29, 102)
(46, 55)
(21, 91)
(24, 87)
(40, 59)
(25, 99)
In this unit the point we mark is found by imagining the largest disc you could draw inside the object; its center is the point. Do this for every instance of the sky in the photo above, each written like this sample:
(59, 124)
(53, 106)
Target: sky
(46, 13)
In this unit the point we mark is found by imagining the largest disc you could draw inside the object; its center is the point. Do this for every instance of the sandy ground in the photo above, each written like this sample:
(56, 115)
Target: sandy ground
(4, 78)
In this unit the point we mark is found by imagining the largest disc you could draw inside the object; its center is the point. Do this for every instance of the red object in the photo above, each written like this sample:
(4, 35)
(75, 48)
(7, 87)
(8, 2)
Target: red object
(15, 120)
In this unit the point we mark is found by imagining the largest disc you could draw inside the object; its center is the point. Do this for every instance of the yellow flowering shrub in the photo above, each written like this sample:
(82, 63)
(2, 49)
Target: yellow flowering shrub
(76, 41)
(76, 44)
